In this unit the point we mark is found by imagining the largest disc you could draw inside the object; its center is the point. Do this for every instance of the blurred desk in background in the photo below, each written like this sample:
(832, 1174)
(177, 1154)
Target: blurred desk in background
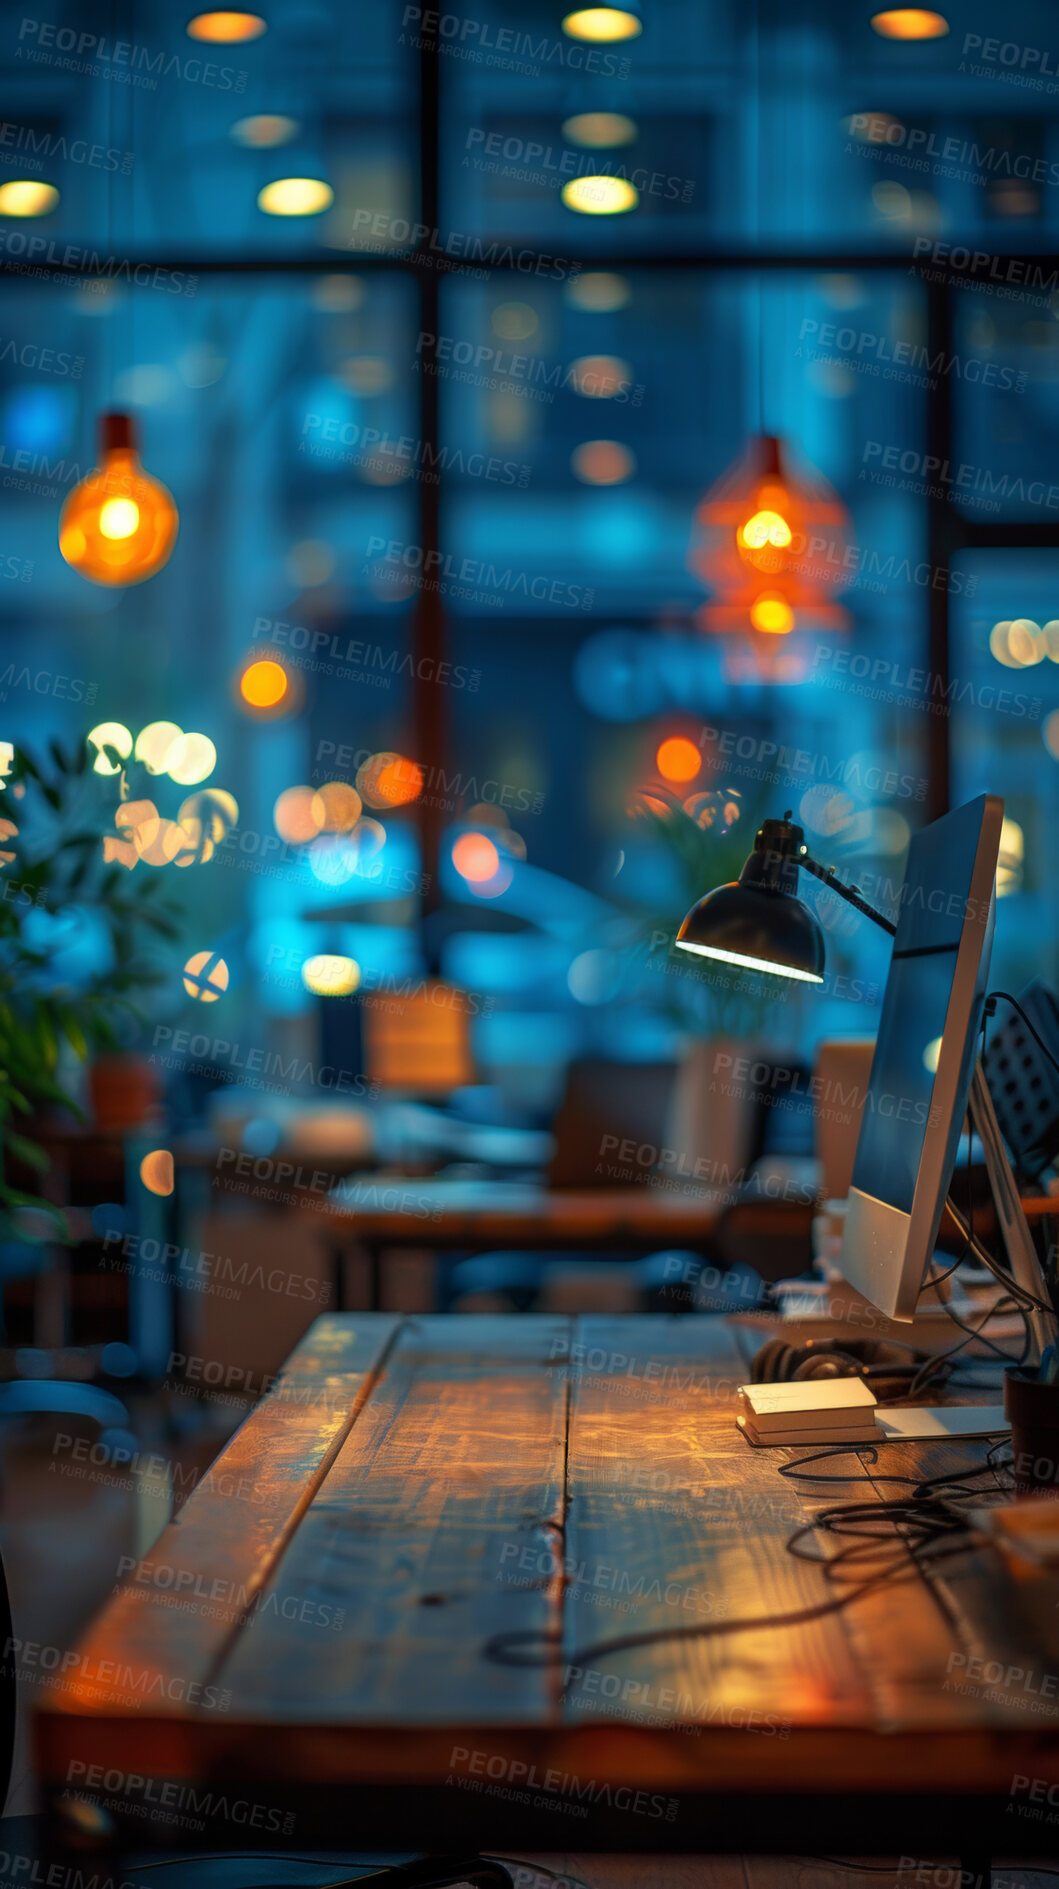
(386, 1211)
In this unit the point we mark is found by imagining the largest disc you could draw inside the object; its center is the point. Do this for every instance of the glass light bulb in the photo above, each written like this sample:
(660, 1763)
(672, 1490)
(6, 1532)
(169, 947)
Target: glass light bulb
(118, 525)
(119, 518)
(765, 528)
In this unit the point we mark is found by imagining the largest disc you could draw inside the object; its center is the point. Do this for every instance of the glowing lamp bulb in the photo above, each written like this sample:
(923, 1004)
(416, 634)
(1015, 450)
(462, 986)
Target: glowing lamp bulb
(772, 615)
(765, 528)
(119, 525)
(119, 518)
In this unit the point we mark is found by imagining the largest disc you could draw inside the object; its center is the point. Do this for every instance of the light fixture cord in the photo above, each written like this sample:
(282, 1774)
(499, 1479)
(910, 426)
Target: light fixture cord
(758, 121)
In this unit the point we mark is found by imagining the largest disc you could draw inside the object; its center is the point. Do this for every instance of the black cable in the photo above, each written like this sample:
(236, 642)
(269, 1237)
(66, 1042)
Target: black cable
(503, 1647)
(1012, 1286)
(931, 1509)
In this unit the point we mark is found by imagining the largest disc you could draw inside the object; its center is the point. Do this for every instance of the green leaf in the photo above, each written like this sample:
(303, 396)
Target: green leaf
(74, 1034)
(29, 1152)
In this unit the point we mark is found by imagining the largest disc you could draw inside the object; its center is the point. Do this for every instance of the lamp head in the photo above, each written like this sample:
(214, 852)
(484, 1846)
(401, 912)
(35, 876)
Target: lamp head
(758, 920)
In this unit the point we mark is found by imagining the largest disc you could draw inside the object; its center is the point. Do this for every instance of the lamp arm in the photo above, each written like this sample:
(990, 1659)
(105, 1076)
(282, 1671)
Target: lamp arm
(848, 892)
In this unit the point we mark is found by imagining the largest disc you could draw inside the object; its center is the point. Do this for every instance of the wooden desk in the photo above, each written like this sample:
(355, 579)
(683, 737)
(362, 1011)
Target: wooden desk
(440, 1482)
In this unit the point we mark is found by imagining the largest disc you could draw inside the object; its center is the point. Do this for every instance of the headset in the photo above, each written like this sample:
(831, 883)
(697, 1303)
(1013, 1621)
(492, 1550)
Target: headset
(888, 1366)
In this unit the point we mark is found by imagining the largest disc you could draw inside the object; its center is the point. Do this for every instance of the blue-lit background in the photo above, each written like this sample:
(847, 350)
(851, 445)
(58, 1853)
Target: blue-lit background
(805, 186)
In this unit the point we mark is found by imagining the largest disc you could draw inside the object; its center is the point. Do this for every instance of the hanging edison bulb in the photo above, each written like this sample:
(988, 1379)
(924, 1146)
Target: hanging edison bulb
(119, 525)
(773, 545)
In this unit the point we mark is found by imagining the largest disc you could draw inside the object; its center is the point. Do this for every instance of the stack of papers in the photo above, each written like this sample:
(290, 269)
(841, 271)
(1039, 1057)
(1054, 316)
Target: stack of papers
(827, 1410)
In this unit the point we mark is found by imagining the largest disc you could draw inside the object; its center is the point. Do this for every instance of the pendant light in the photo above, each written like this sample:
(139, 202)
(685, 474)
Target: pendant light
(771, 539)
(119, 525)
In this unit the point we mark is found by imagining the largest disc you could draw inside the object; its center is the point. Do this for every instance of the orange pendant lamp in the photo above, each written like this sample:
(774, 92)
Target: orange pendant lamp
(773, 544)
(118, 525)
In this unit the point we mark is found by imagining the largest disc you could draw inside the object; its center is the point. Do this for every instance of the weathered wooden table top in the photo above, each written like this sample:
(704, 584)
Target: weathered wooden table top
(422, 1542)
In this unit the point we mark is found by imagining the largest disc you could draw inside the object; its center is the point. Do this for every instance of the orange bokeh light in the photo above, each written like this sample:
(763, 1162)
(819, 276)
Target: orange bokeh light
(475, 858)
(390, 780)
(910, 23)
(263, 684)
(295, 815)
(226, 28)
(678, 759)
(336, 807)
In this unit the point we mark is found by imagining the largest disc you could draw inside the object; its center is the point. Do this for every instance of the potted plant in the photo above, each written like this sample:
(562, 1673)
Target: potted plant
(72, 936)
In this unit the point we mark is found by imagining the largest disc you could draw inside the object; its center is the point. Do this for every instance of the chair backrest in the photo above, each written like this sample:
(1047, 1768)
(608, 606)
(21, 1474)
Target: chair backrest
(607, 1106)
(843, 1066)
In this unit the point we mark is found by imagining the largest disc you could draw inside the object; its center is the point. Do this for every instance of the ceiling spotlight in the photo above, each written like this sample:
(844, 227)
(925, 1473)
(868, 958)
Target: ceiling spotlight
(910, 23)
(295, 196)
(264, 130)
(602, 23)
(22, 196)
(600, 196)
(599, 130)
(226, 29)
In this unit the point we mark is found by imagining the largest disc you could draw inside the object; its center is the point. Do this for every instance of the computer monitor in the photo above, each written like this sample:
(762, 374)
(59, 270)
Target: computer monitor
(925, 1054)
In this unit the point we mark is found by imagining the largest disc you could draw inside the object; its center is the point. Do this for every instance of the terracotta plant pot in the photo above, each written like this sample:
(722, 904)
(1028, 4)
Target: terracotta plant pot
(124, 1093)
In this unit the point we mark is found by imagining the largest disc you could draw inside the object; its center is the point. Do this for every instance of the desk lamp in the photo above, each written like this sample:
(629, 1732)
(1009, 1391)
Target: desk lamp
(758, 919)
(760, 923)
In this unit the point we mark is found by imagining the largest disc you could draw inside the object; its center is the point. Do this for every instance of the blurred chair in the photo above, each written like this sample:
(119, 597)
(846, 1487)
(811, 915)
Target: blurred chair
(603, 1103)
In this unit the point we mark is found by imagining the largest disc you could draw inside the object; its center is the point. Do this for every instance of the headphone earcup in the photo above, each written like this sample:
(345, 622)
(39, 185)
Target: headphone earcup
(820, 1364)
(775, 1362)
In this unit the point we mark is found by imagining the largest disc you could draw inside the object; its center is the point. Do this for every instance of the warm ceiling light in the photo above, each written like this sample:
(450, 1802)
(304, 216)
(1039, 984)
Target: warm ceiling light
(263, 684)
(226, 29)
(600, 196)
(264, 130)
(23, 197)
(600, 376)
(602, 462)
(295, 196)
(678, 759)
(514, 321)
(910, 23)
(772, 615)
(331, 976)
(119, 525)
(599, 292)
(602, 23)
(599, 131)
(764, 528)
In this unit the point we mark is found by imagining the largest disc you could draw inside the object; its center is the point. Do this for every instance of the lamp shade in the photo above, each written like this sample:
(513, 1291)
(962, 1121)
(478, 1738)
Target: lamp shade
(758, 920)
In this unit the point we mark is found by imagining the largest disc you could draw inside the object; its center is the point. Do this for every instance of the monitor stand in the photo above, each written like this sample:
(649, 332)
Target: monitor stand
(1018, 1241)
(834, 1308)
